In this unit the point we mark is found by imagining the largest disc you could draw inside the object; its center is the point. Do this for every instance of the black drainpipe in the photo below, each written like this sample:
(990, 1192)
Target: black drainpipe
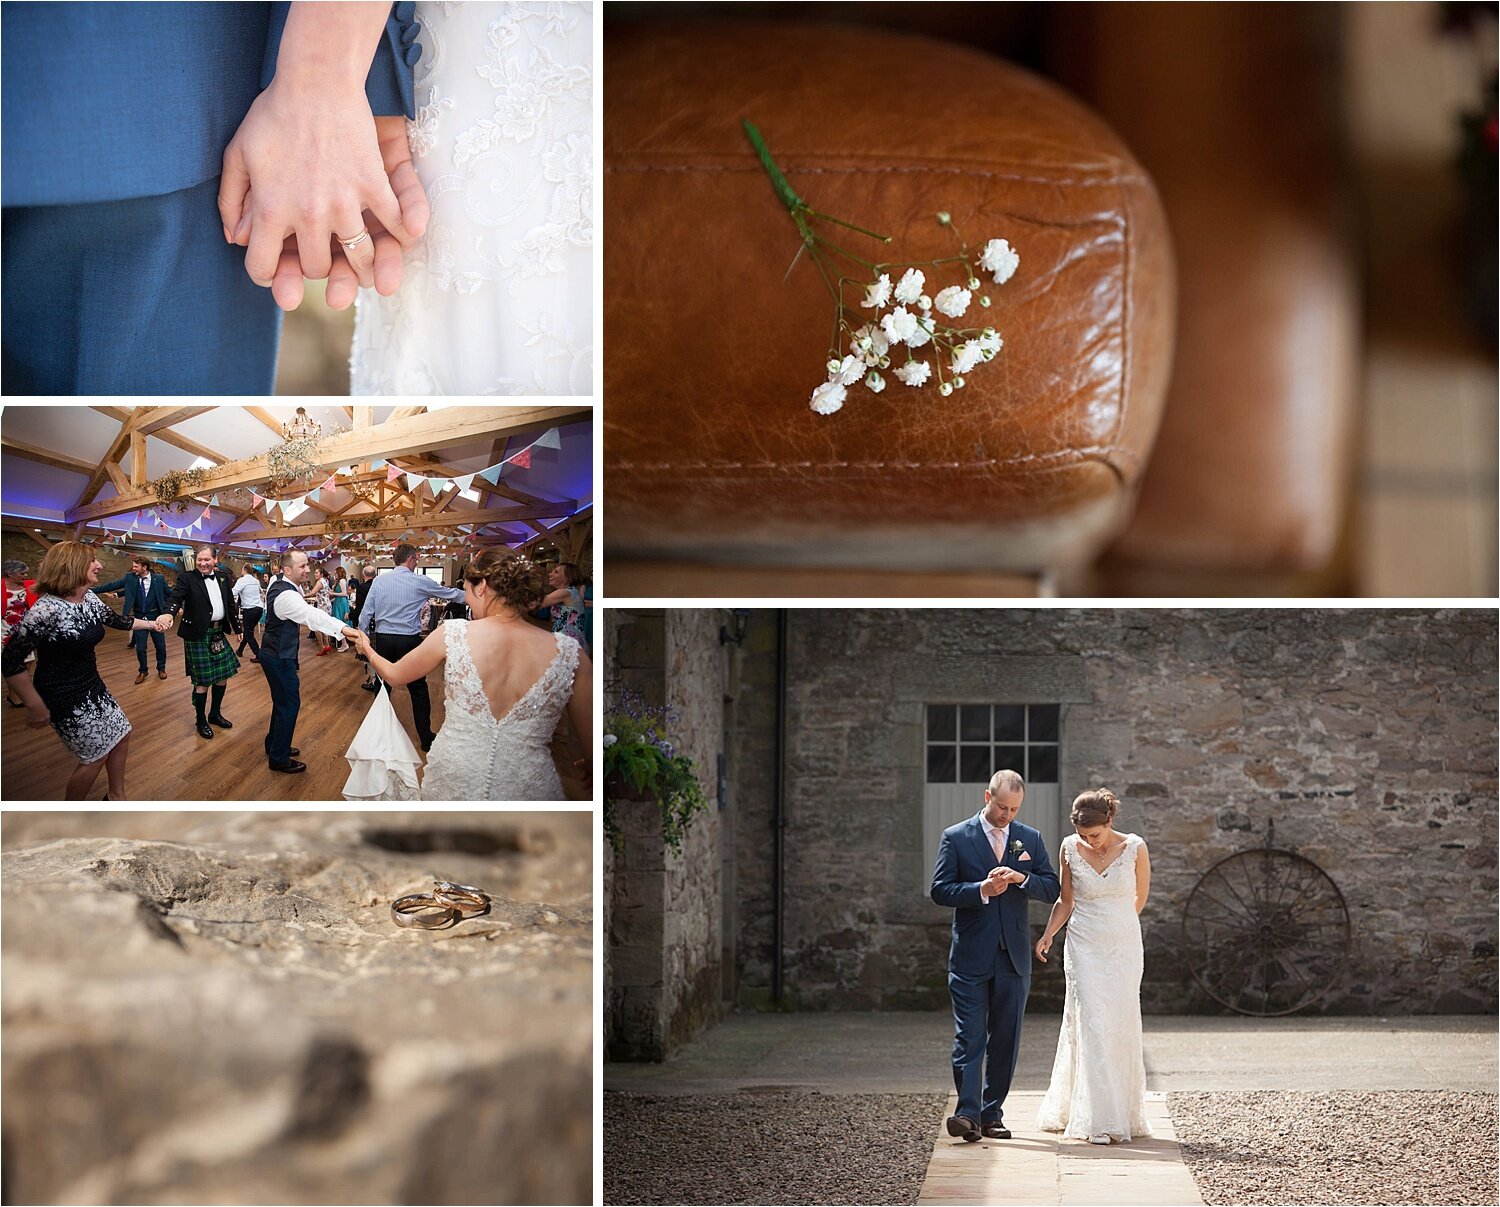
(779, 822)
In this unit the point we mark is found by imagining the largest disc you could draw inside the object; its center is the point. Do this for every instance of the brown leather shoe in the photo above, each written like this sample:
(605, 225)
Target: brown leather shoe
(962, 1125)
(161, 674)
(996, 1131)
(141, 678)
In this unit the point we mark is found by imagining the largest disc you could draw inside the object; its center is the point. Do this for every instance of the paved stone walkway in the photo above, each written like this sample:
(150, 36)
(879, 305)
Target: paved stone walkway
(1036, 1167)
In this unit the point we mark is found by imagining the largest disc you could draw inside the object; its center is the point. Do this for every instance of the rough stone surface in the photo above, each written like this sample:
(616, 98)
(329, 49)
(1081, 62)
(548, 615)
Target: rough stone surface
(767, 1147)
(1392, 1147)
(664, 911)
(216, 1008)
(1367, 736)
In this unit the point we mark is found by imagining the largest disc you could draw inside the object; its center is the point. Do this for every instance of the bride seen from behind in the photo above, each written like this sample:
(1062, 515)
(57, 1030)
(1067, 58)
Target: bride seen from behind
(1098, 1088)
(506, 685)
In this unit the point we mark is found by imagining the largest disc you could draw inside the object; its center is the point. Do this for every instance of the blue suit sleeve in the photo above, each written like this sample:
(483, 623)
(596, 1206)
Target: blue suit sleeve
(389, 85)
(1042, 883)
(107, 588)
(947, 889)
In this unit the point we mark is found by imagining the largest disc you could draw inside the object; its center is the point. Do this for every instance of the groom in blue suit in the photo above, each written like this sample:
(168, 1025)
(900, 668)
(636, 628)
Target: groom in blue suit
(988, 868)
(146, 595)
(117, 275)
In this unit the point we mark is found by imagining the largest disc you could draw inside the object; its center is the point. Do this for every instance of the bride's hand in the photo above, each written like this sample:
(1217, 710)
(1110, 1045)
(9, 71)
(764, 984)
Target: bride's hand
(395, 153)
(1043, 946)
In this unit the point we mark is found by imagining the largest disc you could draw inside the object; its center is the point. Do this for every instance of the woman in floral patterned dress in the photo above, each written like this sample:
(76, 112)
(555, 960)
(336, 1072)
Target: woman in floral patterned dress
(63, 627)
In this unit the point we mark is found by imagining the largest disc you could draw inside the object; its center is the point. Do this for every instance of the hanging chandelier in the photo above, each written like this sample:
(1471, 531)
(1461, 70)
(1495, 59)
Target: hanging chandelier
(301, 426)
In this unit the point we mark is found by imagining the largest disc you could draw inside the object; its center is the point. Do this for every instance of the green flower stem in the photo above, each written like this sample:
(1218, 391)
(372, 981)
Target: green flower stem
(788, 195)
(784, 191)
(812, 213)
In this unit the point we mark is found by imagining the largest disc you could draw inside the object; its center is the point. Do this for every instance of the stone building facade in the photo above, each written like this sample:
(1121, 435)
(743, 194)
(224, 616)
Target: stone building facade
(1366, 737)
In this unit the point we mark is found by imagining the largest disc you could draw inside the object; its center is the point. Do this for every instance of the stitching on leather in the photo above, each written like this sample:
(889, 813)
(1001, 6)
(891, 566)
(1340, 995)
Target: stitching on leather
(1076, 454)
(982, 173)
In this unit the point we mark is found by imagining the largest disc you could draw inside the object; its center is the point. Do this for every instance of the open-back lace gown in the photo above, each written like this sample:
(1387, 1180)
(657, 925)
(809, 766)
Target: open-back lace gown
(479, 757)
(1098, 1088)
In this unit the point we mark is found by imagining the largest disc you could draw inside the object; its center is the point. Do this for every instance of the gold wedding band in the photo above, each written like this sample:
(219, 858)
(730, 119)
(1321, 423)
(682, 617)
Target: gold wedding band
(413, 910)
(351, 244)
(463, 897)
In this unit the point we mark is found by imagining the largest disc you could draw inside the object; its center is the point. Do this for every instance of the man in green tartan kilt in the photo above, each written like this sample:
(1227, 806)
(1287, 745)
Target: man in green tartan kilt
(205, 598)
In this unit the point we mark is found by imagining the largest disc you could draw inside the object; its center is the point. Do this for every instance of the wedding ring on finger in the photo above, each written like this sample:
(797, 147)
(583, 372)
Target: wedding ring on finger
(351, 244)
(415, 910)
(463, 897)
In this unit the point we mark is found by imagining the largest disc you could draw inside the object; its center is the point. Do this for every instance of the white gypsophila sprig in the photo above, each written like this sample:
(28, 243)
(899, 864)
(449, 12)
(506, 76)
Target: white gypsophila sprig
(912, 321)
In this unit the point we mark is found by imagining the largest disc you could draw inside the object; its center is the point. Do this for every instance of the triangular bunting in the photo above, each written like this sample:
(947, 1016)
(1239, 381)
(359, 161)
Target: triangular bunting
(492, 475)
(523, 458)
(548, 439)
(414, 482)
(464, 481)
(392, 473)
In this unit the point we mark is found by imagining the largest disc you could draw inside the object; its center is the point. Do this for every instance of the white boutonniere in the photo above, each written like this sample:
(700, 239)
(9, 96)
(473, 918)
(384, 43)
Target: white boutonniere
(1016, 846)
(911, 321)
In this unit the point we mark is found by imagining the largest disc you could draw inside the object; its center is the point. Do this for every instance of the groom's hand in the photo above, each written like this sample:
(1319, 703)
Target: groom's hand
(994, 884)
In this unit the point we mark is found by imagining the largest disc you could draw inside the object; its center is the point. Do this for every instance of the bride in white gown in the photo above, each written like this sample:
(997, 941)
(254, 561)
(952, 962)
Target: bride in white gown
(1098, 1088)
(507, 683)
(496, 297)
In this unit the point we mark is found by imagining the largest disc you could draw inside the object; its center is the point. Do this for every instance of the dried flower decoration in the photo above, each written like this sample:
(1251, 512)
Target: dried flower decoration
(905, 317)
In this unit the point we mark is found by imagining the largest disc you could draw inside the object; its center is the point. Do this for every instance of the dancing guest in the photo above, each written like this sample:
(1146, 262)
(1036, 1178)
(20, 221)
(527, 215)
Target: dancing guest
(341, 595)
(507, 685)
(145, 593)
(320, 595)
(63, 627)
(286, 609)
(389, 615)
(566, 601)
(247, 598)
(17, 601)
(205, 598)
(362, 589)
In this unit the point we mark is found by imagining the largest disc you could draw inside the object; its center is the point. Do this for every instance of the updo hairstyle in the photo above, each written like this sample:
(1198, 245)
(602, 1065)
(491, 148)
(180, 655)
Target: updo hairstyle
(1096, 807)
(512, 577)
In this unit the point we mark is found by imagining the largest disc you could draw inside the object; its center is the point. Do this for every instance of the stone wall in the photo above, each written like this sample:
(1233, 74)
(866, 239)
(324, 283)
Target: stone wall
(116, 562)
(1367, 737)
(663, 919)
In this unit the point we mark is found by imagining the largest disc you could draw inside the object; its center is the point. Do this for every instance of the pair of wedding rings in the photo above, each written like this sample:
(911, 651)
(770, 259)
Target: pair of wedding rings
(447, 904)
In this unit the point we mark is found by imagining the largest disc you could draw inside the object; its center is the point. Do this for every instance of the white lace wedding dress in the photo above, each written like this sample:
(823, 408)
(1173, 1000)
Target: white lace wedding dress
(477, 756)
(1098, 1087)
(497, 297)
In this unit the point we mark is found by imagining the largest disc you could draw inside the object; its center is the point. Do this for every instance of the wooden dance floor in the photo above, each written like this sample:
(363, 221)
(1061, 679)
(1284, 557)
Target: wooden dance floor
(170, 762)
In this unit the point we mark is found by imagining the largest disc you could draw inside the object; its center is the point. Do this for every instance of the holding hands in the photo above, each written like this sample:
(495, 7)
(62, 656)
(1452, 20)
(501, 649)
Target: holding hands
(313, 184)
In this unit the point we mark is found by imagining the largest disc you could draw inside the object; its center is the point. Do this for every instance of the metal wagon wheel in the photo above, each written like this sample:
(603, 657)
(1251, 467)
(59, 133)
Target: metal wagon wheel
(1266, 932)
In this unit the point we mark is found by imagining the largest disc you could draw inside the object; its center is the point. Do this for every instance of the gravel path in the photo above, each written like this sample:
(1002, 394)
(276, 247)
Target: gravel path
(768, 1147)
(1397, 1146)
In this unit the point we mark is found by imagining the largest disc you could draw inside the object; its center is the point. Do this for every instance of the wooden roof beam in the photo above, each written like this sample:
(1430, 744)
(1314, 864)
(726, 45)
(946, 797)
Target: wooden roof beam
(32, 452)
(420, 433)
(499, 515)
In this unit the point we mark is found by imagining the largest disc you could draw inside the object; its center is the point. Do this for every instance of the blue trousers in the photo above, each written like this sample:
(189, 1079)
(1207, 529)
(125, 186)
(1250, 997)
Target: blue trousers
(132, 297)
(987, 1017)
(286, 703)
(159, 640)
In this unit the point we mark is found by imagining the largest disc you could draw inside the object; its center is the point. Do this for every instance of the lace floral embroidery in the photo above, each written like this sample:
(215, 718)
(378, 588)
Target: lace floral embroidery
(503, 147)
